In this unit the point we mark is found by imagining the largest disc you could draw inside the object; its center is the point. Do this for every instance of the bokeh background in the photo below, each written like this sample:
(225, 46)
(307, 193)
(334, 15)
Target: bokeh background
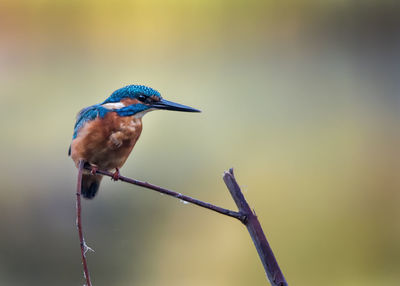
(301, 97)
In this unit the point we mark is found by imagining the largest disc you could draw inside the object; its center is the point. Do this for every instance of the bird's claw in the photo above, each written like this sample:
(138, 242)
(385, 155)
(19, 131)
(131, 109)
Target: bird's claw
(94, 170)
(115, 176)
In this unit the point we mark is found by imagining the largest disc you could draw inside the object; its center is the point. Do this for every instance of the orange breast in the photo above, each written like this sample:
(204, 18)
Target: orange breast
(106, 142)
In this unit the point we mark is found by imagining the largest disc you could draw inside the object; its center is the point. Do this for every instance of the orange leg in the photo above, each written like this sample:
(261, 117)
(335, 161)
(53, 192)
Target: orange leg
(94, 170)
(115, 176)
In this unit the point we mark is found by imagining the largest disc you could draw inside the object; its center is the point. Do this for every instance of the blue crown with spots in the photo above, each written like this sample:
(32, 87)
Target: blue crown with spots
(131, 91)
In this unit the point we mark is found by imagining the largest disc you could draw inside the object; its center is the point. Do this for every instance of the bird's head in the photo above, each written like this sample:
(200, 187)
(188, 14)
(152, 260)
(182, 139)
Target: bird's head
(135, 99)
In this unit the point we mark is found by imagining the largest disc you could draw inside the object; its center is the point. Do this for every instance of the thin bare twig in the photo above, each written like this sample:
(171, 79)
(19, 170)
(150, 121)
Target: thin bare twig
(267, 257)
(188, 199)
(245, 215)
(84, 247)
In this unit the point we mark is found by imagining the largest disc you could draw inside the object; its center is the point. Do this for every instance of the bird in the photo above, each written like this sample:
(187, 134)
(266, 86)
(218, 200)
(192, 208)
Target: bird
(105, 134)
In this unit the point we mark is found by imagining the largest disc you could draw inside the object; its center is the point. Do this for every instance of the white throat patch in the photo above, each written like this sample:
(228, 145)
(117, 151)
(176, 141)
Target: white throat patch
(142, 113)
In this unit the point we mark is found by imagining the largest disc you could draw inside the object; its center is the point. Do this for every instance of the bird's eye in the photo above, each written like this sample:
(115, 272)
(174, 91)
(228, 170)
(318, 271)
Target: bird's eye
(142, 98)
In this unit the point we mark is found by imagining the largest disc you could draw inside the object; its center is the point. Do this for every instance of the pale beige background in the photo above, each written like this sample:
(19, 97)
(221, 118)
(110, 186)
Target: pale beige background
(301, 97)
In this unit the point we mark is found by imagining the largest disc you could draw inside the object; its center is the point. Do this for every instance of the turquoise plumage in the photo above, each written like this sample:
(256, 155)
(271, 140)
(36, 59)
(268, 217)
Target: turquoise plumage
(105, 134)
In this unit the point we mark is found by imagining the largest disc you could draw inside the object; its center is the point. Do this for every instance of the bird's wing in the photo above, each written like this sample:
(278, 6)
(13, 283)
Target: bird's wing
(85, 115)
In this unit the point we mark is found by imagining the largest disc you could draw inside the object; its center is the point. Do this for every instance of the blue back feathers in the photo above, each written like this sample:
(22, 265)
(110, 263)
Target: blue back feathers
(131, 91)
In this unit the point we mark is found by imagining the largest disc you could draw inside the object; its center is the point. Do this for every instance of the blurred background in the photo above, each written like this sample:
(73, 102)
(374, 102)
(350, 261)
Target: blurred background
(300, 97)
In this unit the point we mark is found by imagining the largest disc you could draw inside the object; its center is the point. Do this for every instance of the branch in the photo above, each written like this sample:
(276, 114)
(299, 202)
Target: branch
(267, 257)
(167, 192)
(245, 215)
(84, 247)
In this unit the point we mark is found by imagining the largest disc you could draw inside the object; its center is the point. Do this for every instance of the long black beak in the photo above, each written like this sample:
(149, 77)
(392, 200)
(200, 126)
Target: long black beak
(169, 105)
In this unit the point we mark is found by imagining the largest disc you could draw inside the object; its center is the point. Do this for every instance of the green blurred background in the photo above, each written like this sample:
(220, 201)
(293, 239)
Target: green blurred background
(301, 97)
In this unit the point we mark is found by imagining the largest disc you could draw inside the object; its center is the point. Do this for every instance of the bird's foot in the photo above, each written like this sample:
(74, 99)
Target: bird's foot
(94, 170)
(115, 176)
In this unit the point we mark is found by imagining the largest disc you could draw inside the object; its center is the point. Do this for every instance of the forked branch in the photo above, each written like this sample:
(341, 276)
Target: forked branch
(245, 215)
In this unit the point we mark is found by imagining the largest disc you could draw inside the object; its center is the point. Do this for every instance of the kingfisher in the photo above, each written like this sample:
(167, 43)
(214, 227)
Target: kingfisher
(105, 134)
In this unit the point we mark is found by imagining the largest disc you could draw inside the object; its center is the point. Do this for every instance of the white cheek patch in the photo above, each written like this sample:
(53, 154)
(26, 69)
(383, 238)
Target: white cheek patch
(113, 105)
(142, 113)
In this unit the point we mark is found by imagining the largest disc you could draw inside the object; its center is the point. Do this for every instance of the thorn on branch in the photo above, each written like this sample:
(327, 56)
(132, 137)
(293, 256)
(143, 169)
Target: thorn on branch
(79, 223)
(87, 248)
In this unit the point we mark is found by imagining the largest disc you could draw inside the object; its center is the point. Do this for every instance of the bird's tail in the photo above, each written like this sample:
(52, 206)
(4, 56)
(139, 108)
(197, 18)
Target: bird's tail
(90, 185)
